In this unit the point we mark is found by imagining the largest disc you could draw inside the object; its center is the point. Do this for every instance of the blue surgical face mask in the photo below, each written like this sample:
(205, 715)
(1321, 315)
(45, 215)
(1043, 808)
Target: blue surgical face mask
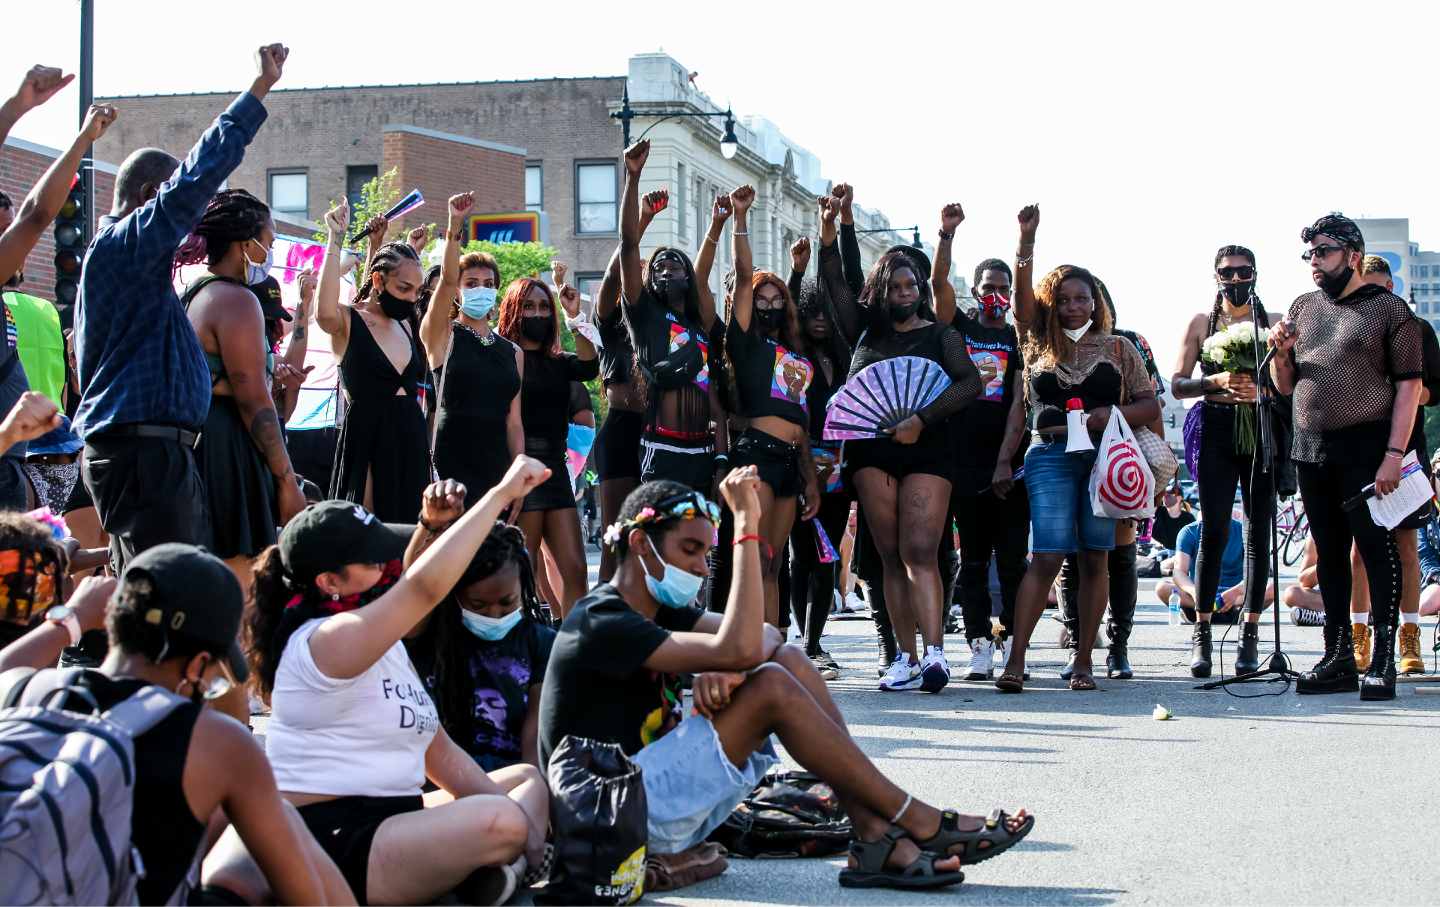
(255, 273)
(676, 588)
(477, 302)
(491, 628)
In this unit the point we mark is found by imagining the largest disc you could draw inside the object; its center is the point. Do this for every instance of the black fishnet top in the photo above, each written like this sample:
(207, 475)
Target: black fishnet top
(939, 343)
(1349, 353)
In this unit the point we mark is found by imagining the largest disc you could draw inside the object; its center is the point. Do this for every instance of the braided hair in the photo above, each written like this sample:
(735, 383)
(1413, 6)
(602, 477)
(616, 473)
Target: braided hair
(446, 636)
(389, 258)
(232, 216)
(1220, 255)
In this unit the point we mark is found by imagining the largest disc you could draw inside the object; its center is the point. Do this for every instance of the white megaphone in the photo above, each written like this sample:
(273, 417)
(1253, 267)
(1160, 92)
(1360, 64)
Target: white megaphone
(1077, 434)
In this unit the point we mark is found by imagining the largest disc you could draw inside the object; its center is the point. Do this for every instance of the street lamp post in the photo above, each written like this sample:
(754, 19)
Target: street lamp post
(729, 144)
(915, 230)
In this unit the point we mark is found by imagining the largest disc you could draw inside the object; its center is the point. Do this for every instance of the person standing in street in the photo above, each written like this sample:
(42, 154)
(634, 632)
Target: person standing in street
(146, 385)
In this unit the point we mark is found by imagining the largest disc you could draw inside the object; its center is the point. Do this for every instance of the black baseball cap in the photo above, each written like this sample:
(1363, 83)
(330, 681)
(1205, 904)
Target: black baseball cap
(268, 292)
(327, 536)
(196, 595)
(918, 259)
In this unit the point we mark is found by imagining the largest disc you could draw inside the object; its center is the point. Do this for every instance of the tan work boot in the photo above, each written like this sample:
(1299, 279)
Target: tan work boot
(1361, 632)
(1411, 661)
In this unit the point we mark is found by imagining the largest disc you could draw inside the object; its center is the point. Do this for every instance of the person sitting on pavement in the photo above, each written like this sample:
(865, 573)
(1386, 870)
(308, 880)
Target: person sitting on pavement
(1232, 575)
(353, 733)
(483, 654)
(613, 677)
(1307, 609)
(173, 621)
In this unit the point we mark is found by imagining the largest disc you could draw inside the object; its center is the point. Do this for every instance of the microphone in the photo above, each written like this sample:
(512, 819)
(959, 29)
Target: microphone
(404, 206)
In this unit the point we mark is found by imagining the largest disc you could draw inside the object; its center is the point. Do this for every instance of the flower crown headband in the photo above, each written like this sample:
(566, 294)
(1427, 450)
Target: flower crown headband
(686, 506)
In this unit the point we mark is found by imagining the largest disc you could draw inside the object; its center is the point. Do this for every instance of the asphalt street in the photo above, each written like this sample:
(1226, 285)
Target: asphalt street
(1282, 799)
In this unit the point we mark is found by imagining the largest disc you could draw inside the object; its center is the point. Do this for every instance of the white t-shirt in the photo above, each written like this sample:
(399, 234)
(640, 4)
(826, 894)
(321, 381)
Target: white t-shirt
(365, 736)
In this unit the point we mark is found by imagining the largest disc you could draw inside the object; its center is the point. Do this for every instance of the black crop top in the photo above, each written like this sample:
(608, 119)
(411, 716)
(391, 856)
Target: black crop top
(673, 350)
(617, 354)
(939, 343)
(770, 380)
(1050, 388)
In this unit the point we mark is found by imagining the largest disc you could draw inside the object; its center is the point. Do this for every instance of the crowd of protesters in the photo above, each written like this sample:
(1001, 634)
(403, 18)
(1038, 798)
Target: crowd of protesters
(420, 633)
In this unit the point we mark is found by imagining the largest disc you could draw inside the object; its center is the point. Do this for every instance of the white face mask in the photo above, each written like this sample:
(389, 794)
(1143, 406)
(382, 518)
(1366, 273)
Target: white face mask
(255, 273)
(1076, 333)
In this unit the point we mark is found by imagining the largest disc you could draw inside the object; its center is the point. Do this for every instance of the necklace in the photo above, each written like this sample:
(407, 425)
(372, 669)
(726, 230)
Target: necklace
(487, 339)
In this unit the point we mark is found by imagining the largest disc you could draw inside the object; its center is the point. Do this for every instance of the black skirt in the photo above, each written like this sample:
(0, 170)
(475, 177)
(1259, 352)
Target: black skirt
(239, 486)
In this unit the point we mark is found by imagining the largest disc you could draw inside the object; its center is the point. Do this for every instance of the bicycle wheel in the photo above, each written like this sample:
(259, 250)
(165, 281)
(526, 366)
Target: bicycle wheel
(1293, 548)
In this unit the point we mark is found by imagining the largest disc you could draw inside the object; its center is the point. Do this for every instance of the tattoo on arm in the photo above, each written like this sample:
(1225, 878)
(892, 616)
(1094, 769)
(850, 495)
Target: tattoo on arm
(265, 431)
(299, 332)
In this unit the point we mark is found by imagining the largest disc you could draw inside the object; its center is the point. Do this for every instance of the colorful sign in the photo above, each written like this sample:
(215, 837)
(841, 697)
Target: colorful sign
(516, 226)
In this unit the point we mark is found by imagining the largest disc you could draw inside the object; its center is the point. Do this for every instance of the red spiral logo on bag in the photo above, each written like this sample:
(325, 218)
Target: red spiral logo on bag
(1124, 484)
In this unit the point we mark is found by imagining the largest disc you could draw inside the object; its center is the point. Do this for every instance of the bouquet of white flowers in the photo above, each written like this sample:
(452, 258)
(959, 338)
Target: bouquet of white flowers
(1233, 350)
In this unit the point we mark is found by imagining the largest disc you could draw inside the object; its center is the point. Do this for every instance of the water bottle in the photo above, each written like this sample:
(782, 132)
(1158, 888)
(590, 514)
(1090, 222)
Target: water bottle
(1175, 608)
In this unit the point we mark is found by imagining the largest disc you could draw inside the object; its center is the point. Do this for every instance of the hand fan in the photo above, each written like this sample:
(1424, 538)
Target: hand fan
(881, 396)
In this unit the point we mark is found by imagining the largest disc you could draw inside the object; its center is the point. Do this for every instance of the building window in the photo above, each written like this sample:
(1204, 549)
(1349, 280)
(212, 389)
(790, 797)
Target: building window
(534, 188)
(588, 283)
(355, 179)
(597, 191)
(290, 194)
(1424, 270)
(702, 211)
(680, 201)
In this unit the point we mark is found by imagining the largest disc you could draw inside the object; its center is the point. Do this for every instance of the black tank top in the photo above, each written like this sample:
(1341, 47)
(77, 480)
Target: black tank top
(617, 355)
(1049, 396)
(545, 399)
(163, 828)
(478, 380)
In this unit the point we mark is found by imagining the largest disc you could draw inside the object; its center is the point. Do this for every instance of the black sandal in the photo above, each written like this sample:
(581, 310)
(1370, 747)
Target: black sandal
(995, 832)
(870, 870)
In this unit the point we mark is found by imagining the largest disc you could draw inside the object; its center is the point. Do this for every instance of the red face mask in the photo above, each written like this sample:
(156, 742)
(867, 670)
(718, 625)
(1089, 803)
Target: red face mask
(995, 305)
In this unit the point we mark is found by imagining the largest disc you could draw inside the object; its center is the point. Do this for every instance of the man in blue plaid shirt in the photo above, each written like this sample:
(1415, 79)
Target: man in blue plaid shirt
(145, 384)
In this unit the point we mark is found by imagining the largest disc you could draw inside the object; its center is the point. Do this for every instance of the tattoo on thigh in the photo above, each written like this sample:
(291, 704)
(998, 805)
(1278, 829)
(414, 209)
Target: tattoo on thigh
(920, 500)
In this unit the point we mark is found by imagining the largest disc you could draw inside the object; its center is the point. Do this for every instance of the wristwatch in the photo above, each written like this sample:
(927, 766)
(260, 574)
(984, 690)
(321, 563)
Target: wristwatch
(65, 616)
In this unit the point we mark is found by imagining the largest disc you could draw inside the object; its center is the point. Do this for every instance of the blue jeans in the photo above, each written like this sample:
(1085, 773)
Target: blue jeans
(691, 787)
(1061, 518)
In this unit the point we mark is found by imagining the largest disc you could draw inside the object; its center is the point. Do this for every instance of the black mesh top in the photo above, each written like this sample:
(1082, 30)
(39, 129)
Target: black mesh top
(939, 343)
(1348, 355)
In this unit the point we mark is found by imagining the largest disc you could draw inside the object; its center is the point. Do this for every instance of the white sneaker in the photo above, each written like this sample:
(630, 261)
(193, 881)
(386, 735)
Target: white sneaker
(901, 675)
(982, 659)
(1002, 654)
(854, 602)
(934, 670)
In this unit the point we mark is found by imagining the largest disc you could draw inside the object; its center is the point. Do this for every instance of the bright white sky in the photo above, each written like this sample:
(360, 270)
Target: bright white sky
(1150, 133)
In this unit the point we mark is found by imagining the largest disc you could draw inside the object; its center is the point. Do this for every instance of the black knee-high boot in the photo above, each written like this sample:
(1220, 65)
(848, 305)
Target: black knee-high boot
(1124, 588)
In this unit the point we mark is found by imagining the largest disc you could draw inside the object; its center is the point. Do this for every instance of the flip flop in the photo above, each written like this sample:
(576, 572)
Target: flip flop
(1082, 682)
(1010, 683)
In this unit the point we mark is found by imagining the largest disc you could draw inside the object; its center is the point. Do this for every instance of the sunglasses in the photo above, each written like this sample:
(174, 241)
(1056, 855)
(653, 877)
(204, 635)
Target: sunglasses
(1243, 272)
(688, 506)
(1320, 252)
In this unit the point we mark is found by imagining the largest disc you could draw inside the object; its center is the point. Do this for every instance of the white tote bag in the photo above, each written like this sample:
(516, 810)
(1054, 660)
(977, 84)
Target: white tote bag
(1121, 485)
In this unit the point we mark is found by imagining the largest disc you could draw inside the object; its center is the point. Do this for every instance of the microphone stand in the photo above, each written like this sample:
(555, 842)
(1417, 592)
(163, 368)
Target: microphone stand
(1277, 666)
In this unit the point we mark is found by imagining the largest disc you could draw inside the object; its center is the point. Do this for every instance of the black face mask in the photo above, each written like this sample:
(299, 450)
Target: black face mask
(671, 289)
(899, 313)
(394, 307)
(1334, 284)
(770, 319)
(536, 327)
(1238, 293)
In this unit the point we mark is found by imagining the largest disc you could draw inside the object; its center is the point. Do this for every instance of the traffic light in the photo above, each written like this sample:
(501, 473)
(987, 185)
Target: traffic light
(70, 236)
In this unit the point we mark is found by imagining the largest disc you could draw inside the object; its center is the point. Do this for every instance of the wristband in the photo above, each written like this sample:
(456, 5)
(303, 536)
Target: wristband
(432, 529)
(1396, 451)
(764, 546)
(946, 236)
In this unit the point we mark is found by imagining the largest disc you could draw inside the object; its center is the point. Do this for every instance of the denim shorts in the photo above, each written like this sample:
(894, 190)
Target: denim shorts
(1061, 518)
(691, 786)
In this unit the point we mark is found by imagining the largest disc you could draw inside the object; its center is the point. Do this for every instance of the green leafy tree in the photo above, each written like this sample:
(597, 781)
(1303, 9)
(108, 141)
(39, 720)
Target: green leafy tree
(1432, 429)
(516, 259)
(376, 197)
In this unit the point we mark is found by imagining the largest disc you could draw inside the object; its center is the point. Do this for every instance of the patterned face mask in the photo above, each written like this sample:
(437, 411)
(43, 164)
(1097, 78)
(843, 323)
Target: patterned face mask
(27, 584)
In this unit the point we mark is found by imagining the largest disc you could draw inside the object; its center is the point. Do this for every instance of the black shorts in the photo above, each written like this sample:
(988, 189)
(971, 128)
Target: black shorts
(777, 463)
(345, 828)
(556, 492)
(691, 463)
(617, 445)
(931, 455)
(147, 491)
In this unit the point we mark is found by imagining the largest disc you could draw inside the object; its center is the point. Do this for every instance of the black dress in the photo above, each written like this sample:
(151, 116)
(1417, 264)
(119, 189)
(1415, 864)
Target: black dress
(384, 432)
(545, 410)
(477, 383)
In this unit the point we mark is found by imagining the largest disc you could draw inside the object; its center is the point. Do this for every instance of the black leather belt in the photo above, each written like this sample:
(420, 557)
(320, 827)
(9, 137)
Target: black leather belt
(164, 432)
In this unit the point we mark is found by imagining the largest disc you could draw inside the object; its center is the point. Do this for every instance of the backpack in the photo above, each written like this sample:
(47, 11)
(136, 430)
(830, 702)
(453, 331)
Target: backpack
(67, 791)
(789, 814)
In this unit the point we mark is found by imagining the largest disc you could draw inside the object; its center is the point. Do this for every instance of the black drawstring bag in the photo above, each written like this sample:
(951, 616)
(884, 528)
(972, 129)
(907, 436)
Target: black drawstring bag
(789, 814)
(600, 822)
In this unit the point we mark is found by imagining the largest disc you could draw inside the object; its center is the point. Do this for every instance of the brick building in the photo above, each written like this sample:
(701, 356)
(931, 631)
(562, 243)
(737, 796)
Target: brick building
(547, 145)
(22, 164)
